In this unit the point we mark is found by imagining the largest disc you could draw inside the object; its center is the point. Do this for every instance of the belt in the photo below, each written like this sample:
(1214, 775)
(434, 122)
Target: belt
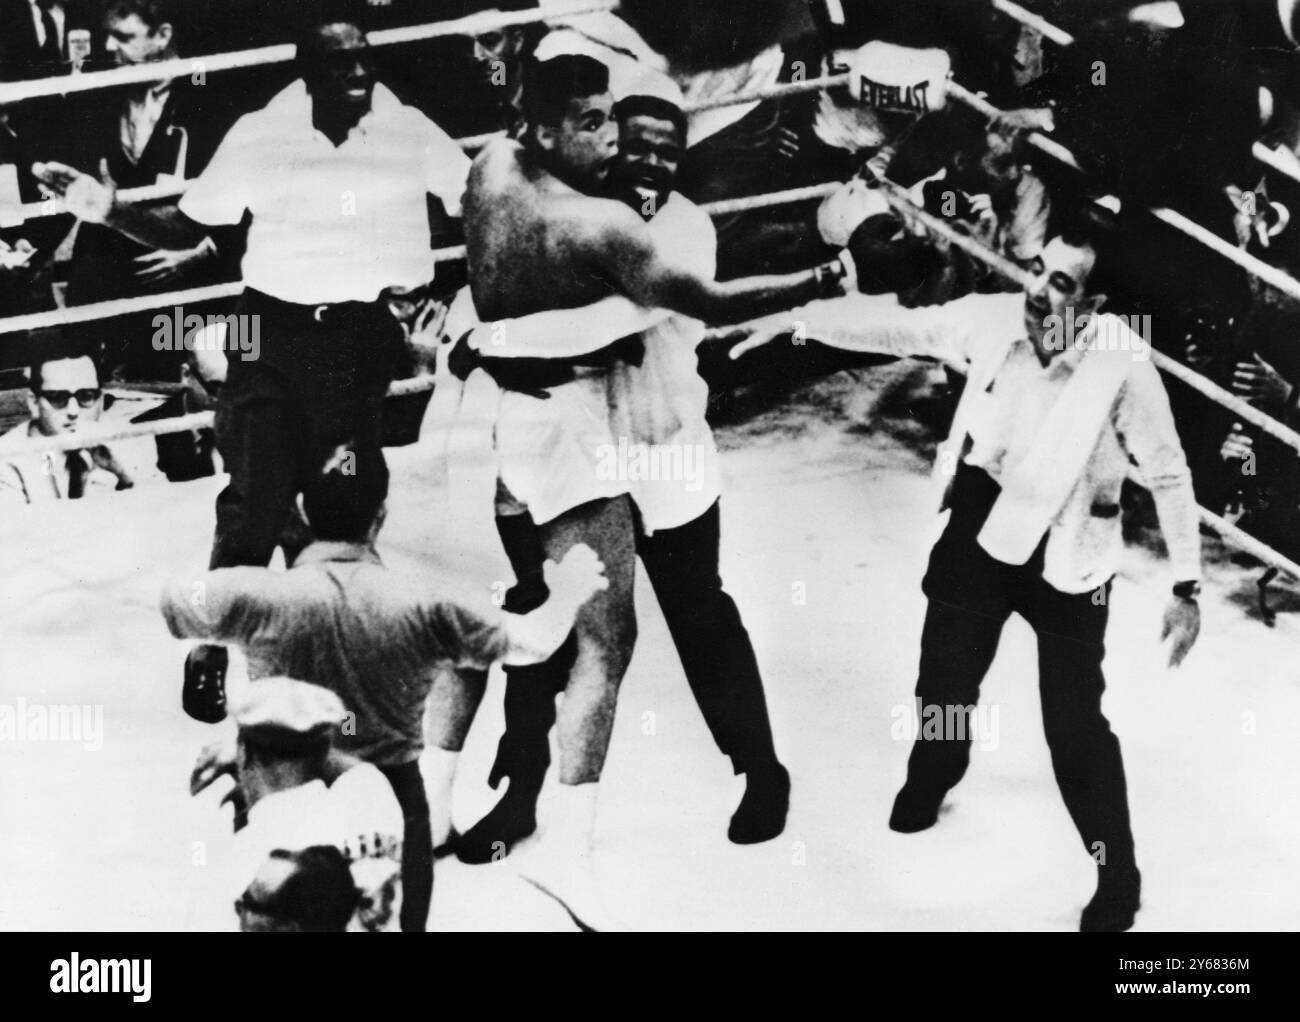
(323, 313)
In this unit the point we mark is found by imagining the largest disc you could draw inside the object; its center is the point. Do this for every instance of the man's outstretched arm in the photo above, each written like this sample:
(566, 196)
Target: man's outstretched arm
(96, 202)
(648, 277)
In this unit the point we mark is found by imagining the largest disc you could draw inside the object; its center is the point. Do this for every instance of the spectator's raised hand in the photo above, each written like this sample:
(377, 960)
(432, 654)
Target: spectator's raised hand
(1237, 446)
(1028, 119)
(15, 257)
(1261, 384)
(86, 197)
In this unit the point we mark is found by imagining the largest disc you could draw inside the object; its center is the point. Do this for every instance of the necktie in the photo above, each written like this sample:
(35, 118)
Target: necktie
(52, 48)
(76, 475)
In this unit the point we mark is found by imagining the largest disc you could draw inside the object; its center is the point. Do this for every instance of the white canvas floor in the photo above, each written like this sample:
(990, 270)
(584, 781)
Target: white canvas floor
(102, 840)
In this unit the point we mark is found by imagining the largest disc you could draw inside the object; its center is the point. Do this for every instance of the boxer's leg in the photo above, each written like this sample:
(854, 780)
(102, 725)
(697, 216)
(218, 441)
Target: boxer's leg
(605, 633)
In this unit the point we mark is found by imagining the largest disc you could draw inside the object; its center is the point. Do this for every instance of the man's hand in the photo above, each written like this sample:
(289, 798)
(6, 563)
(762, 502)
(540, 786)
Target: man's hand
(168, 264)
(1028, 119)
(1182, 624)
(216, 759)
(104, 458)
(1237, 446)
(1261, 384)
(578, 577)
(85, 197)
(17, 255)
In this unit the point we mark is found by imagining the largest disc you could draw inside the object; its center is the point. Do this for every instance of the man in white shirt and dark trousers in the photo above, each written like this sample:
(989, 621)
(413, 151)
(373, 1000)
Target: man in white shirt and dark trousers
(657, 410)
(1040, 446)
(332, 177)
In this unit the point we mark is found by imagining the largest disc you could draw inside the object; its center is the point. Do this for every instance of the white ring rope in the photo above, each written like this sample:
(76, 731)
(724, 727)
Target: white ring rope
(1035, 21)
(74, 314)
(94, 436)
(1271, 275)
(898, 198)
(1259, 150)
(181, 67)
(153, 193)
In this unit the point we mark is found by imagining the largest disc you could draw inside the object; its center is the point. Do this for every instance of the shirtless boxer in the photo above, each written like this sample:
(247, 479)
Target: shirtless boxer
(657, 406)
(539, 240)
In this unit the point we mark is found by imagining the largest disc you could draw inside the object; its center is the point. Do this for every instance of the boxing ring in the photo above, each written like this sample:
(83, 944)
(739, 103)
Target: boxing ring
(823, 554)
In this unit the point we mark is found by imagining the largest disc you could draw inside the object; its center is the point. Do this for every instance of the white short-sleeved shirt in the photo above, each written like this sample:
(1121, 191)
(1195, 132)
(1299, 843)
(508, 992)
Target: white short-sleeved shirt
(659, 406)
(331, 224)
(358, 814)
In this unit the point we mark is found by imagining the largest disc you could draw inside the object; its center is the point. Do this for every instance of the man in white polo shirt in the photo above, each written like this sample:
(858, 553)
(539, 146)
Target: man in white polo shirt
(332, 178)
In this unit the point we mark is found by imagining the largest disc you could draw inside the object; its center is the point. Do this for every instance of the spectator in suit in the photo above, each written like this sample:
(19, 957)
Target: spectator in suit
(34, 41)
(140, 136)
(65, 396)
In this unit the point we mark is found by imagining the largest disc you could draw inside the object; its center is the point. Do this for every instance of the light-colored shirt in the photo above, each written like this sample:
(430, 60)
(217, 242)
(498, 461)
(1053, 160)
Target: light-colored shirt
(358, 814)
(340, 619)
(35, 477)
(660, 405)
(1009, 394)
(140, 116)
(331, 224)
(57, 15)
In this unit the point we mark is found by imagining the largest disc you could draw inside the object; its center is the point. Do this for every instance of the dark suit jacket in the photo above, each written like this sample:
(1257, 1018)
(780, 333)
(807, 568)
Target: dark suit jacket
(181, 456)
(20, 53)
(192, 124)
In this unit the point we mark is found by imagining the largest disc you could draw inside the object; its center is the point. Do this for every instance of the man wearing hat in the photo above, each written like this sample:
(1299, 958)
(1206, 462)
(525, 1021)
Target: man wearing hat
(378, 639)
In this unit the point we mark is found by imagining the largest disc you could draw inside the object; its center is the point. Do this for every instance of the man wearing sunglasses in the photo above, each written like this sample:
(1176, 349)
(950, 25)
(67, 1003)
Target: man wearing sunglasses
(64, 397)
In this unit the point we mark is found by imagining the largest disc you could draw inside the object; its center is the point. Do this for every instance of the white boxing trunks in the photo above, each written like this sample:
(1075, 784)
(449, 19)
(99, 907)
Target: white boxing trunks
(549, 450)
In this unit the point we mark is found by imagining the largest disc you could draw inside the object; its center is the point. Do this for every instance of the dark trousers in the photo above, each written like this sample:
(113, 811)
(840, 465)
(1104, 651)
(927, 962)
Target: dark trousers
(717, 657)
(971, 595)
(316, 383)
(417, 845)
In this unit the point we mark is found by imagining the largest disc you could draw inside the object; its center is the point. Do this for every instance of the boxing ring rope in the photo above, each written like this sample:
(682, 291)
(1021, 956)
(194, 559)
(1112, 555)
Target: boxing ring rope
(1270, 275)
(74, 314)
(173, 190)
(1039, 24)
(477, 24)
(898, 198)
(283, 53)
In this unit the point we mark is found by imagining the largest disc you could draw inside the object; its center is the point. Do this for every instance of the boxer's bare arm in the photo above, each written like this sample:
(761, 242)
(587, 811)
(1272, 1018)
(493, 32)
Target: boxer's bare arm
(650, 277)
(95, 201)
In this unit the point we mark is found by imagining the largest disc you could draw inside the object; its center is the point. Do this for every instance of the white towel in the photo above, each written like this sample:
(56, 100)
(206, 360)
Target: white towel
(1036, 487)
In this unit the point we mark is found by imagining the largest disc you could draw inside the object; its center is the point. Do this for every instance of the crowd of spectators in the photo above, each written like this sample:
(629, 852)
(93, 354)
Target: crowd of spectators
(1160, 102)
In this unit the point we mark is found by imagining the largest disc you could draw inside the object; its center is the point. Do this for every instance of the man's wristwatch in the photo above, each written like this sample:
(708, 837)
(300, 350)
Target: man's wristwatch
(837, 277)
(1188, 591)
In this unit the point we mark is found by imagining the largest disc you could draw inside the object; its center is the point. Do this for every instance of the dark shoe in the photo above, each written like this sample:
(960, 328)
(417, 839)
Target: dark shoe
(1115, 904)
(761, 813)
(203, 695)
(506, 824)
(448, 846)
(915, 810)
